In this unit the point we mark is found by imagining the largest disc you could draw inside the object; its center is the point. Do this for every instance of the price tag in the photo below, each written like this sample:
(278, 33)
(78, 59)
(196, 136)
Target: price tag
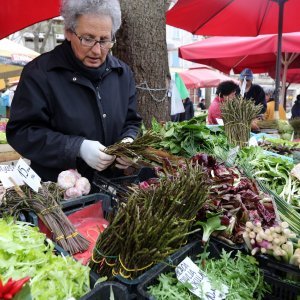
(253, 141)
(220, 121)
(25, 173)
(6, 173)
(188, 272)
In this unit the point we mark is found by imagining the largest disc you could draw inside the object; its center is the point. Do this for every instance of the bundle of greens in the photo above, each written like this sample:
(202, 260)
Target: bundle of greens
(46, 205)
(153, 224)
(189, 137)
(237, 115)
(274, 171)
(23, 252)
(240, 274)
(280, 146)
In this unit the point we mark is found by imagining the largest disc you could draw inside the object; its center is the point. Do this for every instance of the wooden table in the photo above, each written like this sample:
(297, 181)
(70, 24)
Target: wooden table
(7, 153)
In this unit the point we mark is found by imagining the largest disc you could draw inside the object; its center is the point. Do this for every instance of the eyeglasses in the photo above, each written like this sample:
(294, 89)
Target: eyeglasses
(86, 41)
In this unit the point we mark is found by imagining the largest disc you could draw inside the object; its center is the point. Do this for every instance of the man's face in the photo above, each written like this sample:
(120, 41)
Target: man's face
(248, 83)
(92, 27)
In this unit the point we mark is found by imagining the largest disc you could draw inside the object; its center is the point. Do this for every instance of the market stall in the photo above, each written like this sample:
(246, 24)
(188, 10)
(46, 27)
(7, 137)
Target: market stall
(190, 193)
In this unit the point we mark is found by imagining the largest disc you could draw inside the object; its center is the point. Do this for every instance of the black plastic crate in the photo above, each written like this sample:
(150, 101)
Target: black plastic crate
(132, 284)
(280, 290)
(278, 268)
(73, 205)
(116, 186)
(190, 250)
(102, 292)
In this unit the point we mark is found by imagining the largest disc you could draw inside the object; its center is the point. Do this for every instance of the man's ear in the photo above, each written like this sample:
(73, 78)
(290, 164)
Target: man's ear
(68, 35)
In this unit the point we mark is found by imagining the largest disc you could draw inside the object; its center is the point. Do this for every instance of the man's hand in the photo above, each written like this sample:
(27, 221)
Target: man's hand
(92, 153)
(124, 162)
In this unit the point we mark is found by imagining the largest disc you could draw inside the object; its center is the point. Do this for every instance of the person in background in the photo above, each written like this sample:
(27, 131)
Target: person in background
(188, 110)
(226, 90)
(296, 108)
(252, 91)
(77, 99)
(269, 114)
(201, 104)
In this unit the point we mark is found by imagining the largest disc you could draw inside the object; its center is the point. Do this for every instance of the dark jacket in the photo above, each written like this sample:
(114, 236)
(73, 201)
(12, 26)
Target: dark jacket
(188, 110)
(296, 109)
(256, 93)
(55, 108)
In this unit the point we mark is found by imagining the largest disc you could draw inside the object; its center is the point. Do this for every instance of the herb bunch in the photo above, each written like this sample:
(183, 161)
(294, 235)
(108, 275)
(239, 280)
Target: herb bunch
(46, 205)
(237, 115)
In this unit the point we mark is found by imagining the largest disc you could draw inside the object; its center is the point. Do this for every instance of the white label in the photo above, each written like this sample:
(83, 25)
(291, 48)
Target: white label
(188, 272)
(220, 121)
(6, 173)
(253, 141)
(24, 172)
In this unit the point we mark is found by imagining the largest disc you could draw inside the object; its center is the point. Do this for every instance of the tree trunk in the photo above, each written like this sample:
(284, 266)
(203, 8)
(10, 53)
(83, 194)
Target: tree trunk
(141, 43)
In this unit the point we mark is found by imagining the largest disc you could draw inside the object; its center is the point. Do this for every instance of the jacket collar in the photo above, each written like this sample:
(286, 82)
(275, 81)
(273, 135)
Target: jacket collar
(57, 61)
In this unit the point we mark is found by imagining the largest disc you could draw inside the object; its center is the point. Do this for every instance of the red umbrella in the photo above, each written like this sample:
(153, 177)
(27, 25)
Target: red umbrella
(237, 53)
(202, 76)
(292, 76)
(233, 17)
(18, 14)
(238, 17)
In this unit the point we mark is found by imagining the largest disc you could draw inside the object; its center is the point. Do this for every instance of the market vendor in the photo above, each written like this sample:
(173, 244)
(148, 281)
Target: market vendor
(225, 91)
(76, 99)
(252, 91)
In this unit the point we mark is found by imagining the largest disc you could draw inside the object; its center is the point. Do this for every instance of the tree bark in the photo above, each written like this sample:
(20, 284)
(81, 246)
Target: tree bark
(141, 43)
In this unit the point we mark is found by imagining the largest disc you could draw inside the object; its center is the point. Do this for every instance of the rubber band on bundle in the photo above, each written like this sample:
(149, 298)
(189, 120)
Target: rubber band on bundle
(48, 209)
(134, 270)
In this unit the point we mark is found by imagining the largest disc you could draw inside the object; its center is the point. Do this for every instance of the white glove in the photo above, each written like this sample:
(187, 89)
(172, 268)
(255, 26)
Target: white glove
(127, 140)
(92, 153)
(124, 162)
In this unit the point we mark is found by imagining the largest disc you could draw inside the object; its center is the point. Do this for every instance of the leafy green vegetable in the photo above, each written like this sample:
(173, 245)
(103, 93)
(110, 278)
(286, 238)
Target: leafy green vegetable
(240, 274)
(209, 226)
(190, 137)
(23, 252)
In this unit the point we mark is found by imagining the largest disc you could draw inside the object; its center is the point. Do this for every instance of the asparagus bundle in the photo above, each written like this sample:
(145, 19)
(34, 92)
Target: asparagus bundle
(138, 150)
(45, 204)
(237, 115)
(154, 223)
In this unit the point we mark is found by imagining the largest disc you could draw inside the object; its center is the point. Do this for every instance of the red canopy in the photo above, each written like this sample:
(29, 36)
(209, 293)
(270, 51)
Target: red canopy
(18, 14)
(233, 17)
(202, 76)
(237, 53)
(238, 17)
(292, 76)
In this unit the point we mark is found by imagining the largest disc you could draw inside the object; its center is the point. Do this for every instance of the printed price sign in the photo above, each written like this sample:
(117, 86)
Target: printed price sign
(7, 176)
(25, 173)
(188, 272)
